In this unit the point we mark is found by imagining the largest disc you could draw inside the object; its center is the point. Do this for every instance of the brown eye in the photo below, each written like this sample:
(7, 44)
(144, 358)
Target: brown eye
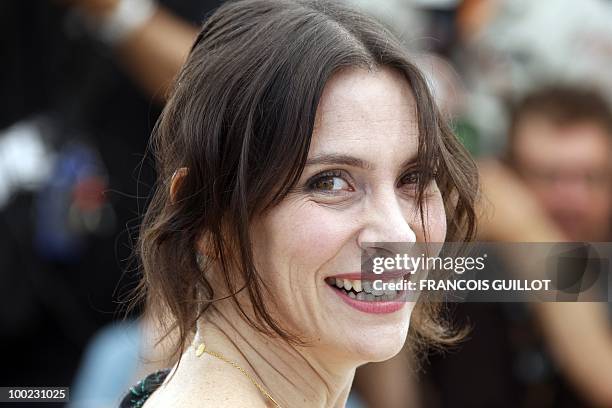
(329, 182)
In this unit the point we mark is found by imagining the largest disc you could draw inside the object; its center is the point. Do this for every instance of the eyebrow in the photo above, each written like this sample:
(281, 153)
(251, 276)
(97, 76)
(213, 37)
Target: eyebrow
(338, 159)
(347, 160)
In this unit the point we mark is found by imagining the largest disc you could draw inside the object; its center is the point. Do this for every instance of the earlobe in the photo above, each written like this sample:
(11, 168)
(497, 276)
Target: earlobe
(176, 181)
(200, 260)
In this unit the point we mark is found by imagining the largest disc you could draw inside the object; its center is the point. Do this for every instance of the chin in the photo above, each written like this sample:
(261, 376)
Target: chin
(381, 340)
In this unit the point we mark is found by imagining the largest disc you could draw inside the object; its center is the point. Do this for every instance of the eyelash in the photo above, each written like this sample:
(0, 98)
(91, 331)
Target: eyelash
(417, 173)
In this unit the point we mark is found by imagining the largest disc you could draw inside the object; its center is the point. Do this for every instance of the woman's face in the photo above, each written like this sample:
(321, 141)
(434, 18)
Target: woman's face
(358, 187)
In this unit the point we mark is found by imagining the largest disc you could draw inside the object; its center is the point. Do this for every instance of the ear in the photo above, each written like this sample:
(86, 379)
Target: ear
(175, 182)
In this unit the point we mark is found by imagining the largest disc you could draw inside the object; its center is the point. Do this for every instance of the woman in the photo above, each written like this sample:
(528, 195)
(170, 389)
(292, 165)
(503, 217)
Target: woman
(298, 132)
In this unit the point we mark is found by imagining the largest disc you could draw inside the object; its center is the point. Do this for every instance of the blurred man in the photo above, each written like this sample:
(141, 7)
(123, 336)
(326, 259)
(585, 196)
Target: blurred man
(557, 186)
(561, 145)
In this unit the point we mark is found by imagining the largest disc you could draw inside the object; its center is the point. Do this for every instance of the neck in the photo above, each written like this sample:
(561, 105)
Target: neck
(295, 376)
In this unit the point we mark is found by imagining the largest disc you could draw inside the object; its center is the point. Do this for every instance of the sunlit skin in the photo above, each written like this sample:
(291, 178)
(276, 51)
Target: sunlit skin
(357, 187)
(568, 168)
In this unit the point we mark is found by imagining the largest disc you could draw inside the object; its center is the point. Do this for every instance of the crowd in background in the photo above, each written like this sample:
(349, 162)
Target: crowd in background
(526, 85)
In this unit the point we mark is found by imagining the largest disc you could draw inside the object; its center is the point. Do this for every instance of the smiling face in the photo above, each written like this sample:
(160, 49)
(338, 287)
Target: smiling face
(358, 187)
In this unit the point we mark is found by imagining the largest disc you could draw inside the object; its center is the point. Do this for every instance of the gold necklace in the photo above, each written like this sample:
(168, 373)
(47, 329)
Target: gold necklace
(201, 349)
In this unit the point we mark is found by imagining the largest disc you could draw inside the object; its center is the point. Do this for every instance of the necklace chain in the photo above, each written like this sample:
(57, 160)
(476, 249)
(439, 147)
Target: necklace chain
(202, 349)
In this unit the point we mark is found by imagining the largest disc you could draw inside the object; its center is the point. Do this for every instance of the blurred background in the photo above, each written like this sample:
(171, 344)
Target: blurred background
(527, 86)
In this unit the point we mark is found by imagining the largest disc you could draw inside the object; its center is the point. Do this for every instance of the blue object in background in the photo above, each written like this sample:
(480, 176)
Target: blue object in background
(72, 205)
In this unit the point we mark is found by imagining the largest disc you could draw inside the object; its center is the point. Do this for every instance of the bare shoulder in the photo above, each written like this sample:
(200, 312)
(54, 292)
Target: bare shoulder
(219, 384)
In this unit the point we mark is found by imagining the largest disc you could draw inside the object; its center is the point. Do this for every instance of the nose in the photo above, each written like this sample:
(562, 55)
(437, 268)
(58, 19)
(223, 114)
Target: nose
(574, 194)
(386, 220)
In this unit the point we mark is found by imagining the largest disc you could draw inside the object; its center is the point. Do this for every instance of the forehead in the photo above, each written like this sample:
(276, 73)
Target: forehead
(540, 142)
(366, 113)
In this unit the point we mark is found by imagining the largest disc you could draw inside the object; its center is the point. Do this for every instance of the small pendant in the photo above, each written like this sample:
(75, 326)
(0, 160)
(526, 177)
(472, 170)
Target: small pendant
(200, 350)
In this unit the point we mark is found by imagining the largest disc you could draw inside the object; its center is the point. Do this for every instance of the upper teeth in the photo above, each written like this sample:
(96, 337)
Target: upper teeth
(348, 284)
(362, 285)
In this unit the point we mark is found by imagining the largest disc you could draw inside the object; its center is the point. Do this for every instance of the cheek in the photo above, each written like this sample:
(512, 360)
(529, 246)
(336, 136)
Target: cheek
(300, 239)
(435, 219)
(294, 246)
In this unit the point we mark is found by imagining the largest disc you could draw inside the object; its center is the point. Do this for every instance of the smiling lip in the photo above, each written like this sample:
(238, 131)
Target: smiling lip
(389, 305)
(375, 307)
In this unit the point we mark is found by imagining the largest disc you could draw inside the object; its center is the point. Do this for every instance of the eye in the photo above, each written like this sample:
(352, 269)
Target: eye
(329, 182)
(412, 178)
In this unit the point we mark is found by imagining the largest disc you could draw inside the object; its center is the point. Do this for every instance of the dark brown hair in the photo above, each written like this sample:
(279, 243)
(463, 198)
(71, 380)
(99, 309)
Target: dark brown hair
(240, 119)
(562, 105)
